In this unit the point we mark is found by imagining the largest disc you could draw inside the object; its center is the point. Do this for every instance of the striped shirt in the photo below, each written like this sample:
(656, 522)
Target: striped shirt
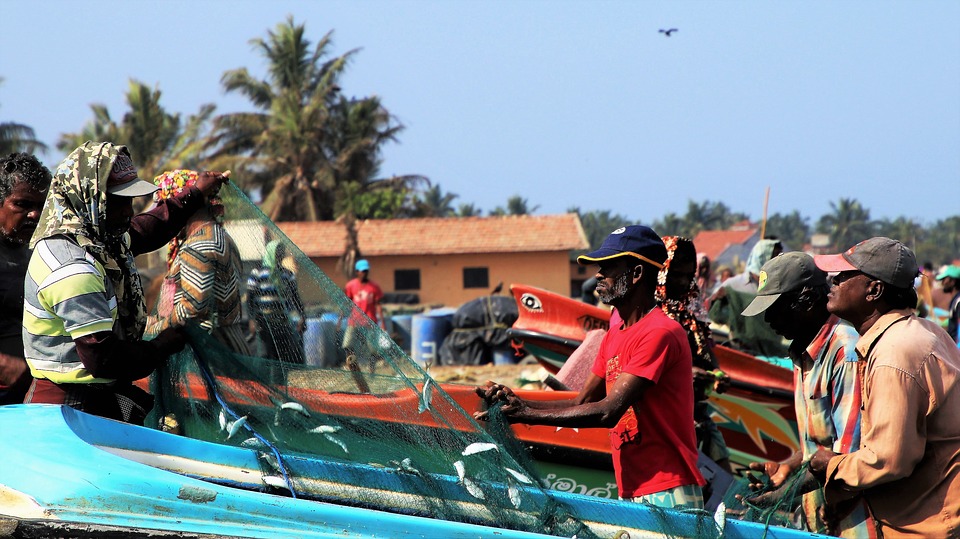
(827, 402)
(207, 276)
(67, 295)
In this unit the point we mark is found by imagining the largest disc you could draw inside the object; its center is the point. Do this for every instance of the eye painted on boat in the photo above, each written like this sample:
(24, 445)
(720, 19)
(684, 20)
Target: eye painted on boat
(531, 302)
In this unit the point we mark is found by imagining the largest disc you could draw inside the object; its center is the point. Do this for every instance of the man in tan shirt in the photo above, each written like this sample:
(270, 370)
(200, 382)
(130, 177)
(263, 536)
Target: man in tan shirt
(908, 464)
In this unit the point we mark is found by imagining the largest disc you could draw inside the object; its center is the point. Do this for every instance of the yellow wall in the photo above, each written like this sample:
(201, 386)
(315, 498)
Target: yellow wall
(441, 276)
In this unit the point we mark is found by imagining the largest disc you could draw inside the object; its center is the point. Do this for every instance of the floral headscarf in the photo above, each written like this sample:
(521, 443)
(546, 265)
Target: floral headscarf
(683, 309)
(76, 206)
(174, 182)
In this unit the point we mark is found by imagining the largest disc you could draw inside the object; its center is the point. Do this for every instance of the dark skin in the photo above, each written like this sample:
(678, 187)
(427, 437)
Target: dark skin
(19, 215)
(593, 406)
(119, 212)
(801, 324)
(857, 298)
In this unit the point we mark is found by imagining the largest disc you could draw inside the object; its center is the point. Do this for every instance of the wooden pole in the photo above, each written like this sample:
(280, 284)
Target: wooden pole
(763, 224)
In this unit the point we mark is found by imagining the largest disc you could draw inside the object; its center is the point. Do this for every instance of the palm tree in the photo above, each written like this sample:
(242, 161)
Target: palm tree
(848, 225)
(157, 139)
(516, 205)
(316, 153)
(468, 210)
(598, 224)
(792, 229)
(15, 137)
(434, 203)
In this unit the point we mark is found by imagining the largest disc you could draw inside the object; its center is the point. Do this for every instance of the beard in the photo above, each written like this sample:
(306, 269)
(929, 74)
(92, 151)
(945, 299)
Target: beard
(621, 285)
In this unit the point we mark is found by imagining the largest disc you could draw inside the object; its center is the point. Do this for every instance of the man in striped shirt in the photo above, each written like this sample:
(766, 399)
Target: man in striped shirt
(83, 314)
(792, 294)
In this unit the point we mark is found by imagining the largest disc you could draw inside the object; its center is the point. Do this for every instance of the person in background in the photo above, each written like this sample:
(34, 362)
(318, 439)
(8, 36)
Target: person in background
(907, 468)
(792, 296)
(366, 293)
(84, 312)
(924, 286)
(751, 335)
(273, 299)
(640, 385)
(677, 294)
(203, 269)
(23, 188)
(949, 279)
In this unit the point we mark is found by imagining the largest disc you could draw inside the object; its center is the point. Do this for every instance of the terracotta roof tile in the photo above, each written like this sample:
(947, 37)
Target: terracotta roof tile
(454, 235)
(714, 242)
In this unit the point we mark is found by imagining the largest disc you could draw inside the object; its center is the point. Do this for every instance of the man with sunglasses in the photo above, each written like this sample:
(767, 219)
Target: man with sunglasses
(792, 296)
(641, 386)
(908, 466)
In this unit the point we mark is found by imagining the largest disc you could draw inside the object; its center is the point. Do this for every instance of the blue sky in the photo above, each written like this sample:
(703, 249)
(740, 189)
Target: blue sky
(563, 103)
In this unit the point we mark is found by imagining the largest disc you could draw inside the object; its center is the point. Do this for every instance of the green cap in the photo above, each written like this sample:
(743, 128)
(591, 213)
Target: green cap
(950, 271)
(782, 274)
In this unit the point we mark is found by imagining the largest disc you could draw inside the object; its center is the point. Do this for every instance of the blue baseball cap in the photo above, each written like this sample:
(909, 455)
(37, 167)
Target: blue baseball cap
(950, 271)
(637, 241)
(362, 265)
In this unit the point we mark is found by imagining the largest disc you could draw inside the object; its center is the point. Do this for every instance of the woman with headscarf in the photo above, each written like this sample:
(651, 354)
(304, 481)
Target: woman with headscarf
(272, 298)
(678, 295)
(84, 312)
(203, 269)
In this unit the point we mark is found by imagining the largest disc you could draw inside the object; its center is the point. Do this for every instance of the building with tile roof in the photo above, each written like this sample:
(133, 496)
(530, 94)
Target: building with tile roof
(449, 261)
(729, 247)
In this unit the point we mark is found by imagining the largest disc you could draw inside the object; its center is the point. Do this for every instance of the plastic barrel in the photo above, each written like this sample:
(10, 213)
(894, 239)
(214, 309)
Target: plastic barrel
(329, 350)
(504, 356)
(312, 338)
(427, 332)
(402, 325)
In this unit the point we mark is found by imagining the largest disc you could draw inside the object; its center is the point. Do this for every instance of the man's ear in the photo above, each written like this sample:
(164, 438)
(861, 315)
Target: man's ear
(637, 273)
(875, 290)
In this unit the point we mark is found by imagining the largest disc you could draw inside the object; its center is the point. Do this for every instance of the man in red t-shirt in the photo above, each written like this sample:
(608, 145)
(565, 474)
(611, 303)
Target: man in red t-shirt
(641, 386)
(366, 293)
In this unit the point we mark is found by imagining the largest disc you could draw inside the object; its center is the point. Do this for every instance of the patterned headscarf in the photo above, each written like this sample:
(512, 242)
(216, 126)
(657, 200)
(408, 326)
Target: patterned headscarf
(174, 182)
(76, 206)
(683, 309)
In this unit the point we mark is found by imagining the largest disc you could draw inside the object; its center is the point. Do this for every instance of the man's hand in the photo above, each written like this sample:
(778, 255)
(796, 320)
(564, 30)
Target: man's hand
(210, 181)
(778, 472)
(493, 393)
(170, 341)
(818, 463)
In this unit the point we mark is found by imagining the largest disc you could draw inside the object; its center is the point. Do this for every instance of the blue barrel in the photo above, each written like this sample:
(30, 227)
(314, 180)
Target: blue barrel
(427, 333)
(504, 355)
(402, 326)
(312, 338)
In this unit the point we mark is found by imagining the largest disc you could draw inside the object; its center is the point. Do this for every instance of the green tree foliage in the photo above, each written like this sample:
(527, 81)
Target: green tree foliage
(792, 229)
(516, 205)
(847, 224)
(699, 216)
(16, 137)
(468, 210)
(598, 224)
(157, 140)
(433, 202)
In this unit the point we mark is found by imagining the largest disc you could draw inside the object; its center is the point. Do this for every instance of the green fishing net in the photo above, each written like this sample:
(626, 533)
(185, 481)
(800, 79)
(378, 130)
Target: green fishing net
(345, 416)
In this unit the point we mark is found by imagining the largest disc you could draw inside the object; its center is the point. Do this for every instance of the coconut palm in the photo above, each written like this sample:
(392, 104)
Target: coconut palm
(468, 210)
(434, 203)
(157, 140)
(848, 224)
(516, 205)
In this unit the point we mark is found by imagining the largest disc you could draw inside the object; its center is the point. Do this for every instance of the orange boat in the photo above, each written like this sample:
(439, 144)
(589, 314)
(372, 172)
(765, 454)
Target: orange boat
(756, 415)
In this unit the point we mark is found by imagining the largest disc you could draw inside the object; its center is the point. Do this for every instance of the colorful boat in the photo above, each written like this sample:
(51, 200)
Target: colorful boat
(70, 474)
(756, 415)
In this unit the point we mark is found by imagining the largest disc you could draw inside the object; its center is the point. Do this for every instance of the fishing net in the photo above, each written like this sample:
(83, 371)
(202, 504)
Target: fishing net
(341, 414)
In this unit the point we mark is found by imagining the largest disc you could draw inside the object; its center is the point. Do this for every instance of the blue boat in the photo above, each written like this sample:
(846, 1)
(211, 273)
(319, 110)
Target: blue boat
(69, 474)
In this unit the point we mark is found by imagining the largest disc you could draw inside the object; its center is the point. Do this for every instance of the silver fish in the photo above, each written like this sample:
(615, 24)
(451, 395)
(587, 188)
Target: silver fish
(324, 429)
(295, 406)
(480, 447)
(270, 459)
(235, 427)
(406, 465)
(461, 470)
(720, 517)
(274, 481)
(514, 494)
(252, 442)
(518, 476)
(426, 396)
(473, 489)
(223, 420)
(337, 441)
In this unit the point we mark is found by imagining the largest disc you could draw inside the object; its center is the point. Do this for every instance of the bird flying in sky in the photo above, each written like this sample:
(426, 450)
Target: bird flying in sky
(668, 31)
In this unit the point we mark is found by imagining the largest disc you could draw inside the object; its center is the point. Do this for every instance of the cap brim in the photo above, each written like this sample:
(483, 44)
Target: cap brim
(760, 304)
(135, 188)
(833, 263)
(598, 256)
